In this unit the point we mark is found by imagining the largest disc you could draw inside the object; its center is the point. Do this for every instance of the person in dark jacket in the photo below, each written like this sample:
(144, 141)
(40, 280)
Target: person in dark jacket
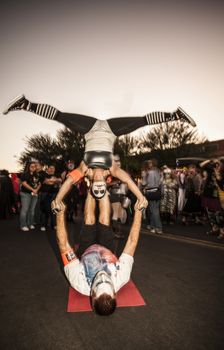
(7, 200)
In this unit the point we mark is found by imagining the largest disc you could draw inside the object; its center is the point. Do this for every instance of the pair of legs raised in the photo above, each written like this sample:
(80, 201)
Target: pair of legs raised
(94, 232)
(82, 123)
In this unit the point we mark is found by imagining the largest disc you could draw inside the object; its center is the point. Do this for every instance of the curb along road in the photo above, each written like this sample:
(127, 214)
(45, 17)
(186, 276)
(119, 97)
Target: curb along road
(183, 239)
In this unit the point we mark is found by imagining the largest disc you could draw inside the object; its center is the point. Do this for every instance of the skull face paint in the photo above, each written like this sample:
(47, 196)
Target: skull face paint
(99, 189)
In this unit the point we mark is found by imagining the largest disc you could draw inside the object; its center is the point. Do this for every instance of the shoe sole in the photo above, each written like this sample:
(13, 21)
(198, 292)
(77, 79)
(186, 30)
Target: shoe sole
(15, 100)
(191, 121)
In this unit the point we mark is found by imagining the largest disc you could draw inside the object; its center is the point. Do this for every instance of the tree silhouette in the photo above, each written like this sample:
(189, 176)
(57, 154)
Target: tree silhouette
(67, 145)
(166, 142)
(125, 145)
(169, 136)
(71, 145)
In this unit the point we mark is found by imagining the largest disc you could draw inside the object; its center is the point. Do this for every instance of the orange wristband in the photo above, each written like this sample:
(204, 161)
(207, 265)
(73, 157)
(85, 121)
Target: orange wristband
(68, 257)
(76, 175)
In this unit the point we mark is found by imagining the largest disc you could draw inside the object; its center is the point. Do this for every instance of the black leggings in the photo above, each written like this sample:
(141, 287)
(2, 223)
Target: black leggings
(76, 122)
(95, 234)
(83, 123)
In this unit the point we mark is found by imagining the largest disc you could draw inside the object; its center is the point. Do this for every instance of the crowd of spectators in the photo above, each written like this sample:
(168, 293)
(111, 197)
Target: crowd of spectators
(193, 194)
(30, 193)
(189, 194)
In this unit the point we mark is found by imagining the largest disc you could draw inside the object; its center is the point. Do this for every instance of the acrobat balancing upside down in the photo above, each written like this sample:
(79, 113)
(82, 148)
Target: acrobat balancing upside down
(99, 136)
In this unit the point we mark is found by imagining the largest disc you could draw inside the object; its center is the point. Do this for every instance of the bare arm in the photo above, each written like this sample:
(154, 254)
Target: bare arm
(53, 181)
(61, 231)
(133, 237)
(26, 185)
(48, 182)
(205, 162)
(38, 188)
(65, 188)
(72, 178)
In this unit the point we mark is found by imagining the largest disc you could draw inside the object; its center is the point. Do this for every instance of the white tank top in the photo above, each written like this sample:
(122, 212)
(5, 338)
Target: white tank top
(100, 137)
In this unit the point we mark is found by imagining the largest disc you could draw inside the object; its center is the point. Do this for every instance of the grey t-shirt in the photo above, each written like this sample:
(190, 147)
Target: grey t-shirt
(100, 137)
(118, 269)
(152, 178)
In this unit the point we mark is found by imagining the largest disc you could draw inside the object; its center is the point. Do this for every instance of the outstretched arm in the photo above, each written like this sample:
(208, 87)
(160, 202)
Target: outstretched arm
(134, 232)
(67, 252)
(72, 178)
(61, 231)
(124, 177)
(204, 163)
(65, 188)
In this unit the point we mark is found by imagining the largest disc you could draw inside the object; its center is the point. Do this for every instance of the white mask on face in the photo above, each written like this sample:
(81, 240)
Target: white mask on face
(99, 189)
(102, 283)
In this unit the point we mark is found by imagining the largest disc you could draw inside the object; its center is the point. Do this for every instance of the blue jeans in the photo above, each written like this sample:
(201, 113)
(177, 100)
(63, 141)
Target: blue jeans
(27, 212)
(154, 215)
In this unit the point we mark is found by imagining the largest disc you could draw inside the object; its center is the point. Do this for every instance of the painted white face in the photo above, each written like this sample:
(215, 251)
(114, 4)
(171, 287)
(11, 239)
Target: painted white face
(102, 283)
(99, 189)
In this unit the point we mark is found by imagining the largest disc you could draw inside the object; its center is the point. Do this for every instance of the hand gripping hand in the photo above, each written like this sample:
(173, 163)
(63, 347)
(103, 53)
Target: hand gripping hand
(57, 207)
(141, 205)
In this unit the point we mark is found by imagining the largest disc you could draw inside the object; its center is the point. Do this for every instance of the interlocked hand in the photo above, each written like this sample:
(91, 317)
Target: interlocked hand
(57, 207)
(141, 205)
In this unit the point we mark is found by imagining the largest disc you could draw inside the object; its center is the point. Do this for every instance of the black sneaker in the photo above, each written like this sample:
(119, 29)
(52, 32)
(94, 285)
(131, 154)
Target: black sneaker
(18, 103)
(184, 116)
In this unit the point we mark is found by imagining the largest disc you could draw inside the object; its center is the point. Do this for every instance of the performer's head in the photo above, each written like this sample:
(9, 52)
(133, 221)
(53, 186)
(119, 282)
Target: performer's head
(98, 182)
(103, 297)
(99, 189)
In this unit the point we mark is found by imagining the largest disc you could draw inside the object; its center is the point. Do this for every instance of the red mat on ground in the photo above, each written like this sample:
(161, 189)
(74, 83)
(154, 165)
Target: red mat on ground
(128, 295)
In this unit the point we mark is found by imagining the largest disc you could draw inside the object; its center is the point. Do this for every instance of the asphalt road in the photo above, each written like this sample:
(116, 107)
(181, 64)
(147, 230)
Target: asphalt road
(181, 282)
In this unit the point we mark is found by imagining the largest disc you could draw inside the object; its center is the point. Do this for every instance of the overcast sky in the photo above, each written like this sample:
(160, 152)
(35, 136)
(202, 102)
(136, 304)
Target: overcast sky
(123, 59)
